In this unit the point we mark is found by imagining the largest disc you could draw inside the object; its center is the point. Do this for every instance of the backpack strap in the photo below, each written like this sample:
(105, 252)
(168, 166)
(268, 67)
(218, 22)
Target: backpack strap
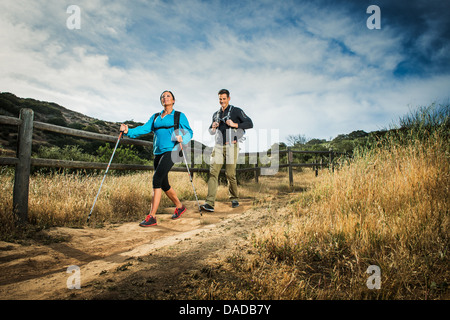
(176, 122)
(227, 117)
(156, 115)
(229, 111)
(216, 117)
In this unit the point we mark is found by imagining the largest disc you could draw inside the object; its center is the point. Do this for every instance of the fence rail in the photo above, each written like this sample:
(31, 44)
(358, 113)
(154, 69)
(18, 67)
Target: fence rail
(23, 161)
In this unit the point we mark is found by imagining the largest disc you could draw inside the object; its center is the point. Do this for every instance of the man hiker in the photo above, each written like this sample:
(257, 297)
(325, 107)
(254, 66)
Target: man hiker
(228, 124)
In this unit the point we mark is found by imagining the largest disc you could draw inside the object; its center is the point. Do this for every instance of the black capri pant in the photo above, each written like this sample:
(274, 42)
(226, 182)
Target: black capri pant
(163, 163)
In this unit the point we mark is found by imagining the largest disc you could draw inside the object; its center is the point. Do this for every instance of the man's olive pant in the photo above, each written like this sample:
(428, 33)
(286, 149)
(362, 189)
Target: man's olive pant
(223, 155)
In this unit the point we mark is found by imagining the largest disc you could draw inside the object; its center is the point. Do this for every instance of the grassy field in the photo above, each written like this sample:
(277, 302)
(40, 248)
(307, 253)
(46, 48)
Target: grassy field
(387, 208)
(66, 199)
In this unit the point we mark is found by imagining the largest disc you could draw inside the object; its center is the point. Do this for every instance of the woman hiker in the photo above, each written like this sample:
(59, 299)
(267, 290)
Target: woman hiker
(164, 127)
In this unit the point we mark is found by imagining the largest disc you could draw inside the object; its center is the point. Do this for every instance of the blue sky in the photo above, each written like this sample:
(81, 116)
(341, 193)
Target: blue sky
(296, 67)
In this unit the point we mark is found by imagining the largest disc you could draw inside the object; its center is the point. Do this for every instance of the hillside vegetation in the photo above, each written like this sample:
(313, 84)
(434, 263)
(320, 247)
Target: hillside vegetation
(60, 146)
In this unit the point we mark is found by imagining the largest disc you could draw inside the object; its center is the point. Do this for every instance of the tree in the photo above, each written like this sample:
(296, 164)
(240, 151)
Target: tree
(298, 139)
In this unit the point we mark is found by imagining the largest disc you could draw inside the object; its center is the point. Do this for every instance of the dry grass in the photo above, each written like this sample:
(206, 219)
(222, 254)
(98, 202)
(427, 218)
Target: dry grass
(66, 199)
(388, 207)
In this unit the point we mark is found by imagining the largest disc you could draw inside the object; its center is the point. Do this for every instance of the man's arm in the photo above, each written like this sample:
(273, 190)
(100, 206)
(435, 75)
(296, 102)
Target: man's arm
(244, 121)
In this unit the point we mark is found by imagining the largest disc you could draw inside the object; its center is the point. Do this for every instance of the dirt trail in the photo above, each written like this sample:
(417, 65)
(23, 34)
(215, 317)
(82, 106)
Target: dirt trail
(125, 261)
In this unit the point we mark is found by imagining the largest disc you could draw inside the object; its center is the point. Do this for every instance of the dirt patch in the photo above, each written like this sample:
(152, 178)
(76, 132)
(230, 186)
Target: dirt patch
(127, 261)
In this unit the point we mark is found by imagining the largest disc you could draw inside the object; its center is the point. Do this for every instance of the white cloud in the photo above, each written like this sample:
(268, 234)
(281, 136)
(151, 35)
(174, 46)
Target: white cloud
(295, 67)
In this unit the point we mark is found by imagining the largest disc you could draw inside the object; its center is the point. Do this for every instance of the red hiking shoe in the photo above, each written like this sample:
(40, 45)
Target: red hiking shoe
(178, 212)
(149, 221)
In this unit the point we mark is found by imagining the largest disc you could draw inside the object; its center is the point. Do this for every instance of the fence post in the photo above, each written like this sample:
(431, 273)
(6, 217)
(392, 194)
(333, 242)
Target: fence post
(290, 159)
(331, 158)
(22, 172)
(192, 153)
(257, 173)
(317, 167)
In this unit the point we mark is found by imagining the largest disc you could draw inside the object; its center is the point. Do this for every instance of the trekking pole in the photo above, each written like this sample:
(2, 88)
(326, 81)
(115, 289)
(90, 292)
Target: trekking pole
(190, 178)
(107, 168)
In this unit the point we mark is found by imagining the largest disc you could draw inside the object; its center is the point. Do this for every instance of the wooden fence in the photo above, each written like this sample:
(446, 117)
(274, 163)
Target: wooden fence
(23, 161)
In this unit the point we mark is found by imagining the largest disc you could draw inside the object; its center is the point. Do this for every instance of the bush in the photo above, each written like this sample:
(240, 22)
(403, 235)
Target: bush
(125, 155)
(73, 153)
(68, 152)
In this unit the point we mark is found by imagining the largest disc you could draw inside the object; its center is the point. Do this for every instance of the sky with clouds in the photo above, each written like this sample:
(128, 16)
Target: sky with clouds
(296, 67)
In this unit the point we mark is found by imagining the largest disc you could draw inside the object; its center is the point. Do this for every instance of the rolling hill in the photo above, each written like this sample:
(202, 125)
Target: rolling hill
(50, 112)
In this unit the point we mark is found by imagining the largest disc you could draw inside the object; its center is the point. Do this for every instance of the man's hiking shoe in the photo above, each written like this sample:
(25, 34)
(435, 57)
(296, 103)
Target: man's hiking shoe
(149, 221)
(178, 212)
(234, 204)
(207, 207)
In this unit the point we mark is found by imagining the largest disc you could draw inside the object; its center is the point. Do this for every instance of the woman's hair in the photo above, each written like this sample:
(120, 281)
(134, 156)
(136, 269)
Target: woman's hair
(173, 97)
